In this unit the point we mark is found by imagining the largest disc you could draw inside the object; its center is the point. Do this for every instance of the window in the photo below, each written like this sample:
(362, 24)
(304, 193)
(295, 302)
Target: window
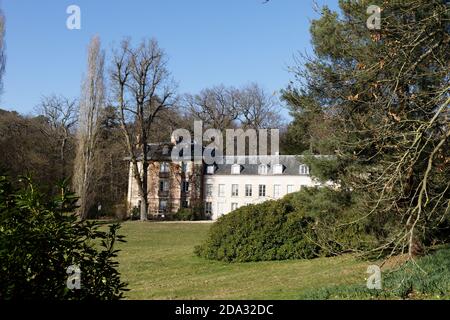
(290, 188)
(304, 169)
(208, 208)
(278, 169)
(209, 190)
(163, 185)
(162, 205)
(276, 191)
(185, 204)
(235, 190)
(184, 167)
(210, 169)
(164, 167)
(234, 206)
(262, 169)
(262, 190)
(248, 190)
(221, 190)
(185, 186)
(236, 169)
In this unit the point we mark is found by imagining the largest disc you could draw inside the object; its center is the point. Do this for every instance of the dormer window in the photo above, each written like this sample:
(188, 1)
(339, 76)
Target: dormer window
(236, 169)
(262, 169)
(164, 167)
(210, 169)
(304, 169)
(278, 169)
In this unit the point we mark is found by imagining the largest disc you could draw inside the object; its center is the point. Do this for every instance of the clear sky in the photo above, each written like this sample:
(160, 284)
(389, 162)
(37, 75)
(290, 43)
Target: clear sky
(209, 42)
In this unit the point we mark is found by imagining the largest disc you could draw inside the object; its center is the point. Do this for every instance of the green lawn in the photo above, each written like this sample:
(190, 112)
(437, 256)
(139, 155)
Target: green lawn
(158, 263)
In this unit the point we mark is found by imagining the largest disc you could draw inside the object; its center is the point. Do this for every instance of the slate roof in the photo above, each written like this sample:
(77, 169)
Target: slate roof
(250, 165)
(163, 152)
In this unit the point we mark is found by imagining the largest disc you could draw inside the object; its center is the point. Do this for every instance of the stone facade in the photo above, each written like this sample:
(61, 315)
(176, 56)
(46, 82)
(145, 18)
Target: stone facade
(216, 189)
(171, 185)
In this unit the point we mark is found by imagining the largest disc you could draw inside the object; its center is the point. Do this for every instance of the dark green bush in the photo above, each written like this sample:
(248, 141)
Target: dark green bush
(185, 214)
(195, 213)
(338, 227)
(135, 213)
(272, 230)
(40, 238)
(302, 225)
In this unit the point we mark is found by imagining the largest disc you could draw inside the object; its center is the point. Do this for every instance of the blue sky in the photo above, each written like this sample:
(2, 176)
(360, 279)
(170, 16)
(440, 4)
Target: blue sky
(208, 42)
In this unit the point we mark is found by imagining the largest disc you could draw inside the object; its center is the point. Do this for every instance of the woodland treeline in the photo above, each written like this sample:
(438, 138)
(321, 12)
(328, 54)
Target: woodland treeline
(128, 100)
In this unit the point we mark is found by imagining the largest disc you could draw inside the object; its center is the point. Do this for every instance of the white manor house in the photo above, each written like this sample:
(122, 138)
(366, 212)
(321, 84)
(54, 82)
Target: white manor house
(216, 189)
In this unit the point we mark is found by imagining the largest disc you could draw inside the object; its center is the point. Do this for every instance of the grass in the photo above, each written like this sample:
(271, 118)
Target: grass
(158, 263)
(427, 278)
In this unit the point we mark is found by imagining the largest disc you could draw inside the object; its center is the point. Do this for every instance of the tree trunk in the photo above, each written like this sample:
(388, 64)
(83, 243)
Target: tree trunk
(143, 208)
(63, 158)
(144, 200)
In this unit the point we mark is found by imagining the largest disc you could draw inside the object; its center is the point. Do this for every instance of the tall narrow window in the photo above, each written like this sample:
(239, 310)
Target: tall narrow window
(290, 188)
(163, 185)
(162, 205)
(276, 191)
(262, 190)
(234, 206)
(248, 190)
(164, 167)
(209, 190)
(235, 190)
(208, 208)
(185, 186)
(221, 190)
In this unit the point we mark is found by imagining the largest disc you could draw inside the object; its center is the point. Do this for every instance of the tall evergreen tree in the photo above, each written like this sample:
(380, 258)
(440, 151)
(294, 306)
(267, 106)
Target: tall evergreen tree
(385, 93)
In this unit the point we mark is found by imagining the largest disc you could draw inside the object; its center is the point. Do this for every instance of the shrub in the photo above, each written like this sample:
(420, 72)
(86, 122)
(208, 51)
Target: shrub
(300, 226)
(185, 214)
(40, 238)
(135, 213)
(195, 213)
(268, 231)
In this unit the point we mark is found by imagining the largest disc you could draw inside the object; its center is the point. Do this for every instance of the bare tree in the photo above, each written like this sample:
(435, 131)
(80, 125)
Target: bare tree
(143, 88)
(217, 107)
(223, 107)
(258, 109)
(92, 102)
(61, 114)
